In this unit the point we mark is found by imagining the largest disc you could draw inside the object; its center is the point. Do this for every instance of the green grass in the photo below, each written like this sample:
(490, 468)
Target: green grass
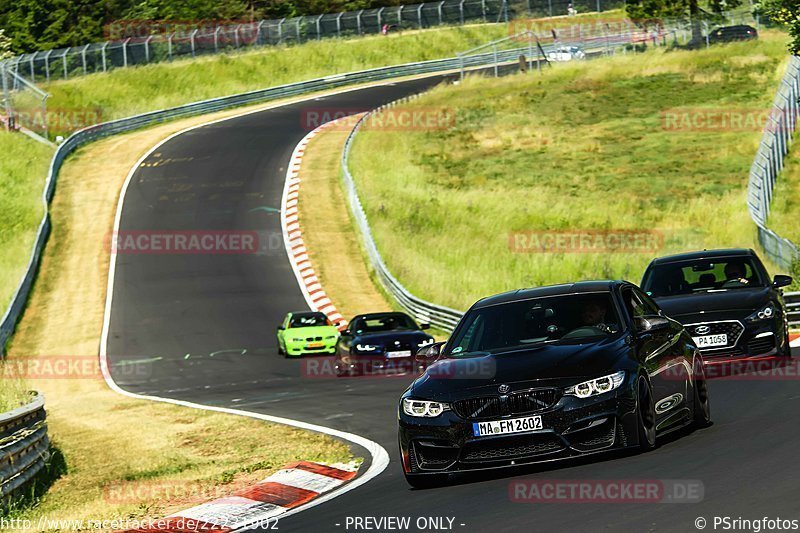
(580, 147)
(124, 92)
(13, 392)
(23, 168)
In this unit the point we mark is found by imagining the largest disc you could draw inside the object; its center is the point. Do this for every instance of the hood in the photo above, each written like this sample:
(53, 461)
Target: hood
(312, 331)
(387, 338)
(735, 300)
(543, 366)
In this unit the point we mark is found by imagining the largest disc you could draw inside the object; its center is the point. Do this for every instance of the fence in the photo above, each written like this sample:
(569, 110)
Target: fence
(142, 42)
(768, 163)
(90, 134)
(23, 104)
(24, 447)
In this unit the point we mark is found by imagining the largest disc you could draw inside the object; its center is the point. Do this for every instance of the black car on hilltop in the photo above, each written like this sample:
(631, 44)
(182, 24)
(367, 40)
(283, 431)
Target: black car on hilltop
(380, 342)
(727, 34)
(550, 373)
(726, 300)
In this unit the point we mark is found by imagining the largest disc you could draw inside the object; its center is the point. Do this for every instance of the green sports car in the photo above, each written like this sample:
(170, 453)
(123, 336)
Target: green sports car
(307, 332)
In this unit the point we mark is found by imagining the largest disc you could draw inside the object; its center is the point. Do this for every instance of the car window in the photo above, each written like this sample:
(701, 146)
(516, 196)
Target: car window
(686, 277)
(648, 305)
(306, 320)
(388, 322)
(572, 318)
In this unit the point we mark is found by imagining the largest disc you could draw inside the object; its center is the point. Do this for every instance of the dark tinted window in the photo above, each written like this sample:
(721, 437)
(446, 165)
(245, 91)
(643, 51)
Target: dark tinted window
(387, 322)
(306, 320)
(686, 277)
(517, 325)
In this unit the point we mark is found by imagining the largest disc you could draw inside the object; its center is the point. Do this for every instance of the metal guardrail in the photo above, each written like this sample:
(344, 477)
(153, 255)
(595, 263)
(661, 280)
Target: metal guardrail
(24, 447)
(793, 308)
(768, 163)
(439, 316)
(93, 133)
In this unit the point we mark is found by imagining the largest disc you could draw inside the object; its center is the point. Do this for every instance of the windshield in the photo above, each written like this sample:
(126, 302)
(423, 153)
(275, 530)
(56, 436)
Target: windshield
(518, 325)
(388, 322)
(687, 277)
(307, 320)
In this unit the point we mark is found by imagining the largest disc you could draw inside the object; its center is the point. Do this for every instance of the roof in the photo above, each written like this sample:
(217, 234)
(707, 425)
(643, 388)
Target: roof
(549, 290)
(704, 254)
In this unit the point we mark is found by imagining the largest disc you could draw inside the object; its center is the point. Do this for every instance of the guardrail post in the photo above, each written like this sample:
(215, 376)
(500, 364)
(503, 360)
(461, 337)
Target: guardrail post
(83, 58)
(147, 48)
(358, 21)
(380, 17)
(461, 10)
(318, 25)
(339, 25)
(419, 15)
(440, 10)
(47, 65)
(64, 62)
(400, 17)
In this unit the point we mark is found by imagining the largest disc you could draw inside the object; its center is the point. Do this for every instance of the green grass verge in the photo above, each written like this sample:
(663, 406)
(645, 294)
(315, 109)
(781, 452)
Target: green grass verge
(124, 92)
(581, 147)
(23, 168)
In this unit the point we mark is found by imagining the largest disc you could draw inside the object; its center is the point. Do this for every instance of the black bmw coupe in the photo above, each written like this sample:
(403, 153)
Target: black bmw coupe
(550, 373)
(380, 343)
(726, 300)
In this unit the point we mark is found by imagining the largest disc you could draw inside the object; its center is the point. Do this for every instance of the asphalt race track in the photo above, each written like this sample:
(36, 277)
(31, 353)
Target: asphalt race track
(201, 328)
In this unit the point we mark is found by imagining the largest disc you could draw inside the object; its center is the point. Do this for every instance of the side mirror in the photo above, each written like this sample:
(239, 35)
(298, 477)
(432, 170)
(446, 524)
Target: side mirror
(425, 325)
(431, 352)
(781, 281)
(280, 328)
(651, 324)
(346, 332)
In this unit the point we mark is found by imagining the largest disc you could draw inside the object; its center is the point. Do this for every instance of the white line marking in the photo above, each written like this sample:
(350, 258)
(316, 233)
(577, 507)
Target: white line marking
(380, 457)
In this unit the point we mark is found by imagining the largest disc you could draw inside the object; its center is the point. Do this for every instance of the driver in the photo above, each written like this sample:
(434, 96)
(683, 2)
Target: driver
(735, 272)
(593, 314)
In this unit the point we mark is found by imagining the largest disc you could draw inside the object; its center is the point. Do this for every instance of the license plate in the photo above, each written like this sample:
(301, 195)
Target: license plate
(401, 353)
(315, 345)
(708, 341)
(504, 427)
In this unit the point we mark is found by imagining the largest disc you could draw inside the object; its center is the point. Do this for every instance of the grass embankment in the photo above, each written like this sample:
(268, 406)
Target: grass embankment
(152, 454)
(583, 147)
(785, 209)
(329, 232)
(23, 168)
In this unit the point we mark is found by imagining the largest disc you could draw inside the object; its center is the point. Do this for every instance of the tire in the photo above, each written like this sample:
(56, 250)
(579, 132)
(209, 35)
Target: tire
(788, 352)
(281, 350)
(701, 409)
(646, 415)
(426, 481)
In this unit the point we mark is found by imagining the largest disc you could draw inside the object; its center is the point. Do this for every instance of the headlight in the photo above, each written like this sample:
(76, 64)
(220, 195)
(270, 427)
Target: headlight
(765, 313)
(425, 343)
(367, 347)
(597, 386)
(424, 409)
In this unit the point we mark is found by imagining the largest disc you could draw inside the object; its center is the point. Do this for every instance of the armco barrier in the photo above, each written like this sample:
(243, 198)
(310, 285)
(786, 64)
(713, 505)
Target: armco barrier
(793, 308)
(768, 163)
(92, 133)
(24, 447)
(441, 317)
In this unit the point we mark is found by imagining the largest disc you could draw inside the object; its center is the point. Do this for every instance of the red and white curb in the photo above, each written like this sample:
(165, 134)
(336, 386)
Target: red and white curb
(794, 340)
(263, 503)
(296, 249)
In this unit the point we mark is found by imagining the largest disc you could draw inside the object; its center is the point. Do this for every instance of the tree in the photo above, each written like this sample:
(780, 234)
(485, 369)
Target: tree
(5, 46)
(645, 11)
(785, 12)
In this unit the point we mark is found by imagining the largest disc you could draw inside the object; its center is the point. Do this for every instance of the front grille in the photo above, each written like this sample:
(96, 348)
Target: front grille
(518, 403)
(511, 448)
(478, 408)
(732, 329)
(531, 401)
(762, 345)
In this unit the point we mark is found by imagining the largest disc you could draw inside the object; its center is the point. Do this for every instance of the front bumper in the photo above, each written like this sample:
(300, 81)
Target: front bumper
(303, 348)
(753, 341)
(573, 427)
